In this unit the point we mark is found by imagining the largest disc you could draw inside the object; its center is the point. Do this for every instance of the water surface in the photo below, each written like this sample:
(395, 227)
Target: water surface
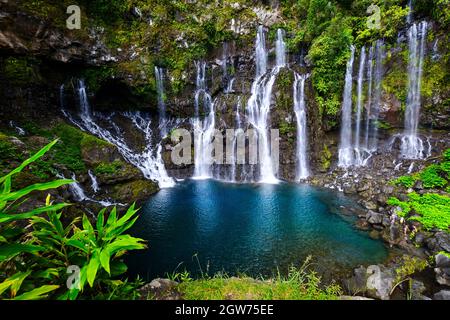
(252, 229)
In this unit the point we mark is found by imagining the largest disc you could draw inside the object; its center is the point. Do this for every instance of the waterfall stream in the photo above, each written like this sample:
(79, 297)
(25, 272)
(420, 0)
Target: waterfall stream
(345, 148)
(412, 146)
(357, 139)
(159, 75)
(258, 105)
(302, 136)
(94, 183)
(203, 130)
(149, 161)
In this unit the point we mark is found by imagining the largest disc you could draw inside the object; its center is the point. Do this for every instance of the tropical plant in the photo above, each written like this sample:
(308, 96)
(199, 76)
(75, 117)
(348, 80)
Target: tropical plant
(37, 250)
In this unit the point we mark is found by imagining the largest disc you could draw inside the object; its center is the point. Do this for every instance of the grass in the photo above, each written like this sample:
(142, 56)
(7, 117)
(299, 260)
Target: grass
(299, 284)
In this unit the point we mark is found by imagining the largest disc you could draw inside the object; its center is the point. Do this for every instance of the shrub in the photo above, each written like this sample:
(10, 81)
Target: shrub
(405, 181)
(431, 178)
(35, 260)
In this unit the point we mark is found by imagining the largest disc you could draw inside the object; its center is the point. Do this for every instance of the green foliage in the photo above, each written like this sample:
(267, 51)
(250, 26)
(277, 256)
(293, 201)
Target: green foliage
(433, 210)
(320, 13)
(325, 158)
(431, 178)
(329, 53)
(405, 207)
(35, 260)
(19, 71)
(446, 155)
(299, 284)
(108, 168)
(409, 266)
(405, 181)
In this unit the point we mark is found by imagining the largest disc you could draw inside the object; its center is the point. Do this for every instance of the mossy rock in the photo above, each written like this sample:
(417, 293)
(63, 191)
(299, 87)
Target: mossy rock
(115, 172)
(137, 190)
(325, 159)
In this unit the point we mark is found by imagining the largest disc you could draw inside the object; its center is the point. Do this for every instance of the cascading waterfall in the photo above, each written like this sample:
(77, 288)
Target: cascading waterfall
(375, 108)
(280, 48)
(412, 146)
(236, 136)
(159, 75)
(345, 148)
(94, 182)
(375, 76)
(80, 195)
(357, 139)
(203, 130)
(149, 161)
(77, 190)
(353, 151)
(370, 63)
(302, 137)
(229, 78)
(259, 102)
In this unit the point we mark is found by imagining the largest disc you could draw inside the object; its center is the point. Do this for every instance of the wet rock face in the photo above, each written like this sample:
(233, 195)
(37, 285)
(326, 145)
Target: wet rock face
(22, 33)
(442, 269)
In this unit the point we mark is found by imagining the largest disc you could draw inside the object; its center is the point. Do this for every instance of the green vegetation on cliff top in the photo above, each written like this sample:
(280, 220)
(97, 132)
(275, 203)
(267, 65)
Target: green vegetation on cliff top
(173, 34)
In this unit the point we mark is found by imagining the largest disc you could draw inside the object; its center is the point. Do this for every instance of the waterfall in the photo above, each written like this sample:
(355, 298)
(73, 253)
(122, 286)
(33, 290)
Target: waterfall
(362, 61)
(280, 48)
(77, 190)
(20, 131)
(259, 102)
(375, 78)
(369, 96)
(345, 148)
(149, 161)
(228, 78)
(94, 183)
(236, 135)
(159, 75)
(261, 52)
(375, 108)
(412, 146)
(302, 137)
(203, 130)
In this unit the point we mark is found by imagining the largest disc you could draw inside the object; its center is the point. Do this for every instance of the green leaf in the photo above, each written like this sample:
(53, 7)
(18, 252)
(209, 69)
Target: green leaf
(33, 158)
(112, 219)
(11, 250)
(18, 279)
(13, 196)
(77, 244)
(37, 293)
(21, 216)
(7, 185)
(100, 221)
(105, 256)
(87, 226)
(118, 268)
(92, 268)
